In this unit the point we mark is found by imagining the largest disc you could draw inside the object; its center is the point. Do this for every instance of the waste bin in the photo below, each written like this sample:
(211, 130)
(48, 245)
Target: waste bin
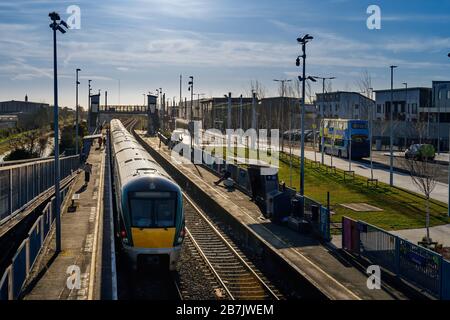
(378, 144)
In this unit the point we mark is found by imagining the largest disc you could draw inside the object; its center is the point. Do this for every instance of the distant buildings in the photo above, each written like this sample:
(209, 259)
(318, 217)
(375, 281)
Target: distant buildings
(270, 113)
(15, 107)
(408, 103)
(440, 101)
(343, 105)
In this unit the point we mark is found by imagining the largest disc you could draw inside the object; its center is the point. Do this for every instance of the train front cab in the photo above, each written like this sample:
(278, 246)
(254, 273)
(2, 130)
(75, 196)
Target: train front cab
(153, 222)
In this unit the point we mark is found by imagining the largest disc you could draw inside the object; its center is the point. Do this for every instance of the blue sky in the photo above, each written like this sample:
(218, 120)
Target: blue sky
(147, 44)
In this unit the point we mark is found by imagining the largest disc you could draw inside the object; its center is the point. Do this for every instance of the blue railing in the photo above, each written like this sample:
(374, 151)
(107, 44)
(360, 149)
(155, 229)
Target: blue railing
(22, 184)
(417, 265)
(17, 273)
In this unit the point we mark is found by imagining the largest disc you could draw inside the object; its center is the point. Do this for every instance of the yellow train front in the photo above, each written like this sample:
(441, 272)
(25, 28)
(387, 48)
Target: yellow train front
(150, 216)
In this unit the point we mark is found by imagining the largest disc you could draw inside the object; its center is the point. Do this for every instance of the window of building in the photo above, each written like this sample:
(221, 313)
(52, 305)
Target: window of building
(378, 108)
(448, 95)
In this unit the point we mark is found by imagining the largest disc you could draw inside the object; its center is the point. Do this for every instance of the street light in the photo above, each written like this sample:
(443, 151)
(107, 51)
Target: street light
(391, 132)
(89, 105)
(56, 26)
(77, 83)
(191, 89)
(303, 41)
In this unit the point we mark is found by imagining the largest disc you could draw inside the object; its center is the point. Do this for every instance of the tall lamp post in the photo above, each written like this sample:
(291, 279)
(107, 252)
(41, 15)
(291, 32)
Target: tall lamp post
(77, 83)
(303, 41)
(406, 103)
(391, 131)
(191, 89)
(89, 105)
(323, 106)
(448, 201)
(56, 25)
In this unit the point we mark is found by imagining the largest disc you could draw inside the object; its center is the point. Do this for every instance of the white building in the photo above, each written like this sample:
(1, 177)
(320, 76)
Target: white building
(409, 103)
(344, 105)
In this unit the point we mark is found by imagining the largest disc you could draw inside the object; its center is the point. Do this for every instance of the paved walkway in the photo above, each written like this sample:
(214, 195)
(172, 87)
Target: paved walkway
(316, 262)
(401, 180)
(80, 239)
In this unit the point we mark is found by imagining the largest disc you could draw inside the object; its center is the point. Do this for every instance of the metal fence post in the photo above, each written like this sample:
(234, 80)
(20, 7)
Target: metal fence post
(27, 257)
(397, 255)
(10, 192)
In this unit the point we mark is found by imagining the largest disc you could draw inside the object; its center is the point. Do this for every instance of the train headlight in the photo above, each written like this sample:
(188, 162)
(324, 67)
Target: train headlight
(182, 235)
(123, 235)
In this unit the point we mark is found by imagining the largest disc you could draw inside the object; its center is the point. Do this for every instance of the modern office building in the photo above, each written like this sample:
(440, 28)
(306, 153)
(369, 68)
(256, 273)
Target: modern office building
(408, 104)
(344, 105)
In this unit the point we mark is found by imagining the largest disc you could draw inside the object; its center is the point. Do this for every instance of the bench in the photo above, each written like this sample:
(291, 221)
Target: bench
(350, 173)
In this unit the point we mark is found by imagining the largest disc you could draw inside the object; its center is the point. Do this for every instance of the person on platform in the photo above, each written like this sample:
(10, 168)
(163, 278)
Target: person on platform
(87, 173)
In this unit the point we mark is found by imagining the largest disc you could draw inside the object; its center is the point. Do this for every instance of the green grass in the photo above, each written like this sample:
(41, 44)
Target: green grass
(401, 209)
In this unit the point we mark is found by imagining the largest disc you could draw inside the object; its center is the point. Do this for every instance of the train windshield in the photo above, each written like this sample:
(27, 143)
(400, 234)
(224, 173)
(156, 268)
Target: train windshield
(153, 209)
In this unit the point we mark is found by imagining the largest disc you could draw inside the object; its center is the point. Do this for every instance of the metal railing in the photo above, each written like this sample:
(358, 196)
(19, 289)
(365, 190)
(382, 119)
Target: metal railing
(418, 265)
(21, 184)
(16, 274)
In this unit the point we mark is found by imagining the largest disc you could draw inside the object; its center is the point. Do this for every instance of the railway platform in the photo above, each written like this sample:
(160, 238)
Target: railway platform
(76, 272)
(320, 265)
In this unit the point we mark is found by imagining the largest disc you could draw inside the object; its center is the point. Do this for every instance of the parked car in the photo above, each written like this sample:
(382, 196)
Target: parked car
(420, 152)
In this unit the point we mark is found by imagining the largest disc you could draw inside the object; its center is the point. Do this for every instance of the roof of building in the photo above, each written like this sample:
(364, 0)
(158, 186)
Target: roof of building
(336, 92)
(28, 102)
(403, 89)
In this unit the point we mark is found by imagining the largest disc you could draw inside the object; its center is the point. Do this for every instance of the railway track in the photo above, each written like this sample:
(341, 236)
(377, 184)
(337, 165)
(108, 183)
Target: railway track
(235, 274)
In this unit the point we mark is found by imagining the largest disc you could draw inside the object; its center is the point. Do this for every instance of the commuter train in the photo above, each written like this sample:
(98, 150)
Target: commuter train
(150, 214)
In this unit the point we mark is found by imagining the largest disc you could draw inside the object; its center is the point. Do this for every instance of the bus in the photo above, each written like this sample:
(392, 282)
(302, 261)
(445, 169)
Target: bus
(335, 136)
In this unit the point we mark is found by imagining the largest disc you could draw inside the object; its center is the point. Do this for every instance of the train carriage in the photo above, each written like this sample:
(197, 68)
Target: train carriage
(150, 214)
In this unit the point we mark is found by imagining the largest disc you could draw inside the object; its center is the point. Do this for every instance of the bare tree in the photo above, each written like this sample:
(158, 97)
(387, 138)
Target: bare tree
(423, 174)
(365, 83)
(421, 128)
(259, 88)
(328, 86)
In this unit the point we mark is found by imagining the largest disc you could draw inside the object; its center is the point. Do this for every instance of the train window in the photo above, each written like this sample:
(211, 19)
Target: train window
(141, 215)
(165, 212)
(153, 209)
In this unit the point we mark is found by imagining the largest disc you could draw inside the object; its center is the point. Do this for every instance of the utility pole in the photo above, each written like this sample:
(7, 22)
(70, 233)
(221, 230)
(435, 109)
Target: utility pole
(322, 113)
(76, 112)
(191, 88)
(303, 41)
(56, 26)
(89, 105)
(240, 112)
(391, 131)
